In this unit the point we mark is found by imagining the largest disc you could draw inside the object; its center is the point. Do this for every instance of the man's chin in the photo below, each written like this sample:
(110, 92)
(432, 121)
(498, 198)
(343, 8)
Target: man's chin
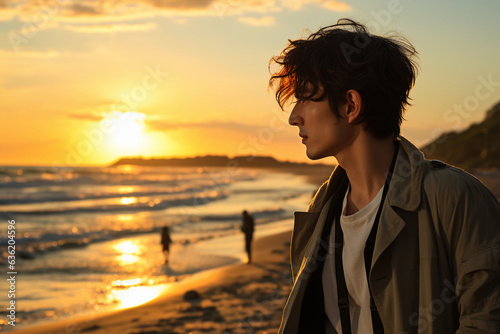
(314, 156)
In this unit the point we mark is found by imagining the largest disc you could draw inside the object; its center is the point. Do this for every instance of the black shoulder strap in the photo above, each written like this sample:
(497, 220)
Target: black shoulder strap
(342, 293)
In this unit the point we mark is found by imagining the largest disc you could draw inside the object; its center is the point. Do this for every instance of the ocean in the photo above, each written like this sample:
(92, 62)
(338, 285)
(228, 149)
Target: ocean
(88, 238)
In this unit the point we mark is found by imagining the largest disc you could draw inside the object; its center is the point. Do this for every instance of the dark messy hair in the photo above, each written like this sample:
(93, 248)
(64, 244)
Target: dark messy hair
(345, 56)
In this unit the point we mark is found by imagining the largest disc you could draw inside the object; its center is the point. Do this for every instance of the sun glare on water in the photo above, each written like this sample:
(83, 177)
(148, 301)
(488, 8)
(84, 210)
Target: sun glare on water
(127, 247)
(132, 291)
(128, 200)
(129, 252)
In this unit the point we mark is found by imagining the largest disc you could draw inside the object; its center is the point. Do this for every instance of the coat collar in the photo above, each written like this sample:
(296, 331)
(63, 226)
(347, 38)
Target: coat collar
(406, 183)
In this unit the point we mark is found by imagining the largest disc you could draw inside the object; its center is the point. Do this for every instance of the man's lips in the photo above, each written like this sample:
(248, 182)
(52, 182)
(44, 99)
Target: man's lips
(304, 137)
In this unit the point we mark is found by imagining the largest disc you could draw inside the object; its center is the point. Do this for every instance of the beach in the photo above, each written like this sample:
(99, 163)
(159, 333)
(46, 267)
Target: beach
(88, 240)
(241, 298)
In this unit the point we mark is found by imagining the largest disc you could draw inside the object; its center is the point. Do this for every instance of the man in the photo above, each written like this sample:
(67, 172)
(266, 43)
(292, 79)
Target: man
(247, 227)
(391, 243)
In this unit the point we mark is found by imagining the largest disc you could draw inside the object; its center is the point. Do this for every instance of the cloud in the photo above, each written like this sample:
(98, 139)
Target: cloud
(105, 11)
(180, 4)
(6, 14)
(84, 9)
(114, 115)
(154, 123)
(87, 117)
(333, 5)
(157, 125)
(113, 27)
(264, 21)
(336, 6)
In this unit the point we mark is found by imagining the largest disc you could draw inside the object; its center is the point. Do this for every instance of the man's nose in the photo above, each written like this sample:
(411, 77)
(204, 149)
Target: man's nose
(295, 117)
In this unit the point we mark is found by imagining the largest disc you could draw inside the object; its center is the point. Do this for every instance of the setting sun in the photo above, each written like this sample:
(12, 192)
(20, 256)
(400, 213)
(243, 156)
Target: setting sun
(126, 129)
(128, 134)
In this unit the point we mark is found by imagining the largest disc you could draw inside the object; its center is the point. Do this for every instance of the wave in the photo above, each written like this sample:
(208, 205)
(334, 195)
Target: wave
(15, 177)
(257, 214)
(59, 195)
(29, 248)
(122, 204)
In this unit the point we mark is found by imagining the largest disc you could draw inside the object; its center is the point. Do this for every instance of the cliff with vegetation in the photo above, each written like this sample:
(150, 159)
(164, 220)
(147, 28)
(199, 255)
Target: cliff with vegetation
(477, 147)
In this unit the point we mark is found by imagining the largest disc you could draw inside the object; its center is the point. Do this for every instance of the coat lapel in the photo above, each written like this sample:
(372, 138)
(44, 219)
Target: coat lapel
(390, 226)
(304, 228)
(306, 246)
(404, 193)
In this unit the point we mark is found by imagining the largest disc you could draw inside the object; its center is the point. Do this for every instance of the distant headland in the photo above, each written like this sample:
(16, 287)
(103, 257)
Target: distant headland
(214, 161)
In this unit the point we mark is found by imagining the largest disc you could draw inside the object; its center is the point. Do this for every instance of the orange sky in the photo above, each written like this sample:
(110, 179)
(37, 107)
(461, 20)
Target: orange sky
(87, 82)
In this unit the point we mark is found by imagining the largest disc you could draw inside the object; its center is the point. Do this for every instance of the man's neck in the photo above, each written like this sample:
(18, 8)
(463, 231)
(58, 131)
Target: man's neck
(367, 162)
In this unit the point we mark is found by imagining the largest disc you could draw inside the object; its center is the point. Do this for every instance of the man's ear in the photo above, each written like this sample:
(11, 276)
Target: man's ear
(354, 106)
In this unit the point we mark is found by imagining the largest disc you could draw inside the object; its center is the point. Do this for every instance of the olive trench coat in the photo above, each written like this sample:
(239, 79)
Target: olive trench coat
(436, 261)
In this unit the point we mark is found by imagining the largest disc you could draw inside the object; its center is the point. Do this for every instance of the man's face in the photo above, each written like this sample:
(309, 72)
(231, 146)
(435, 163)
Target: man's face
(323, 133)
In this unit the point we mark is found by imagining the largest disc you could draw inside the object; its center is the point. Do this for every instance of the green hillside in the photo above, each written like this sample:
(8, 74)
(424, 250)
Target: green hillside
(475, 147)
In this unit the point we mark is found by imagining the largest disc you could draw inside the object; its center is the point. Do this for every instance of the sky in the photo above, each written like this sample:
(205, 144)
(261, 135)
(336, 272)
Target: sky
(87, 82)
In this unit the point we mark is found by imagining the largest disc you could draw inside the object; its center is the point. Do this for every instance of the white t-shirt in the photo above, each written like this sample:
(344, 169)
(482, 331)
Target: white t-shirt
(356, 229)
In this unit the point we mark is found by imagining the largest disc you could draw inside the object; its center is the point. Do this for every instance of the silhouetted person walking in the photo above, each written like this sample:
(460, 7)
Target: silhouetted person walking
(166, 241)
(247, 227)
